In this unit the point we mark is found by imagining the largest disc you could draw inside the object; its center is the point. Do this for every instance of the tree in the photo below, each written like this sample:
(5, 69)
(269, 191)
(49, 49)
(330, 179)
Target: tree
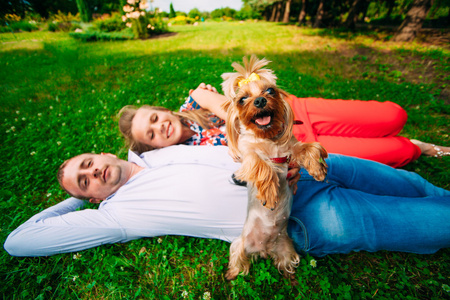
(413, 21)
(83, 9)
(352, 16)
(172, 13)
(319, 15)
(279, 9)
(287, 11)
(194, 13)
(302, 14)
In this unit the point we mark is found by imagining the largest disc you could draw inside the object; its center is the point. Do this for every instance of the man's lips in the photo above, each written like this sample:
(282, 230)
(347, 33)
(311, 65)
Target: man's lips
(104, 174)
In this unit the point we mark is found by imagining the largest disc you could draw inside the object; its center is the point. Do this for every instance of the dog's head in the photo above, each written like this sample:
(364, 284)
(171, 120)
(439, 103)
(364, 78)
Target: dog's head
(255, 104)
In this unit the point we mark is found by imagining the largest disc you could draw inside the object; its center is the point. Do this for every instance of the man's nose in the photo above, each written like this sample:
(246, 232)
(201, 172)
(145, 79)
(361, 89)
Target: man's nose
(96, 173)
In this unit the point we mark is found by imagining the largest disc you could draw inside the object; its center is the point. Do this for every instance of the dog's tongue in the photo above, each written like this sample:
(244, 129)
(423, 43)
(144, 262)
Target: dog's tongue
(263, 121)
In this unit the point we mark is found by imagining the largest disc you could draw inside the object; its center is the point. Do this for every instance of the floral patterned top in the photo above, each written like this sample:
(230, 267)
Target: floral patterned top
(214, 136)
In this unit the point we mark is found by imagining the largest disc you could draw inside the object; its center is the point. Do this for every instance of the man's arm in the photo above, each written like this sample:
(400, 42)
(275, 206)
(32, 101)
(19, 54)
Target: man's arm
(60, 229)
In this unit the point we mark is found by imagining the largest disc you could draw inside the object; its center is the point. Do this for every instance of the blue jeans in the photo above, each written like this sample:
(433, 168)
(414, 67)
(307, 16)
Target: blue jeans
(365, 205)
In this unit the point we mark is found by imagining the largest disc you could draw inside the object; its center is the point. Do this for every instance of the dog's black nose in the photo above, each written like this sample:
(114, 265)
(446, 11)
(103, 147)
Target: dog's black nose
(260, 102)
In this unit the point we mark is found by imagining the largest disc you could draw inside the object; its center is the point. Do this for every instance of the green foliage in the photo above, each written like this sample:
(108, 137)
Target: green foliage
(143, 23)
(114, 23)
(60, 98)
(84, 11)
(20, 26)
(181, 20)
(94, 35)
(194, 13)
(172, 13)
(247, 13)
(62, 17)
(63, 26)
(223, 12)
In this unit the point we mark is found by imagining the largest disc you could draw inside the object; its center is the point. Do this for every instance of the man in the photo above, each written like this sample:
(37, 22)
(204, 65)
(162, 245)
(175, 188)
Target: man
(185, 190)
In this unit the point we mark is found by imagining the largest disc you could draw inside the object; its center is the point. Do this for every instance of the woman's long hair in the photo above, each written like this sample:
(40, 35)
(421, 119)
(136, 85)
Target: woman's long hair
(127, 113)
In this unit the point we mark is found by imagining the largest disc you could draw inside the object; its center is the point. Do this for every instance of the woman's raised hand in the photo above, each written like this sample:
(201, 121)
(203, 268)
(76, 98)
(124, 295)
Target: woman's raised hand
(205, 86)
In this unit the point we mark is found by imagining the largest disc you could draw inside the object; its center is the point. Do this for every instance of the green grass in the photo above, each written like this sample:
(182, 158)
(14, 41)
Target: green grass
(59, 98)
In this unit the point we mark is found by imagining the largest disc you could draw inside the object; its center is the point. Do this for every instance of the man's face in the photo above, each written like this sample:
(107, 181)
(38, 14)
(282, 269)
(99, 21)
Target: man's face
(95, 176)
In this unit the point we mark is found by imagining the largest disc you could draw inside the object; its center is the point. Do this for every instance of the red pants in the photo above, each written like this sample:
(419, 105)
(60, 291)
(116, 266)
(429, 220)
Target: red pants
(365, 129)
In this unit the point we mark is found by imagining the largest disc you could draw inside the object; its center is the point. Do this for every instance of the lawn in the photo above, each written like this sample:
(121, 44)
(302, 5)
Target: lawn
(59, 97)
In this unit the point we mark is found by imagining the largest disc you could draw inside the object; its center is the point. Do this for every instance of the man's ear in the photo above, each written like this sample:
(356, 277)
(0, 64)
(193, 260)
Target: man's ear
(109, 154)
(95, 200)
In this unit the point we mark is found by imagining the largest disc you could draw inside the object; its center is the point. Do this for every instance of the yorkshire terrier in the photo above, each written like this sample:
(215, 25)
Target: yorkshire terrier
(259, 132)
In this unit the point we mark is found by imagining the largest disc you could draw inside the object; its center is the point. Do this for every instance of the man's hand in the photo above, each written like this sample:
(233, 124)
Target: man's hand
(293, 176)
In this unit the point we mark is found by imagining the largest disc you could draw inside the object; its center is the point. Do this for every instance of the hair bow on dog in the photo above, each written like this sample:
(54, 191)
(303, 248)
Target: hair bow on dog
(252, 77)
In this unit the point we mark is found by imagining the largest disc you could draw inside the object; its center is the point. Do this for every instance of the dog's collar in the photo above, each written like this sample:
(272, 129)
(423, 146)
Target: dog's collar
(281, 160)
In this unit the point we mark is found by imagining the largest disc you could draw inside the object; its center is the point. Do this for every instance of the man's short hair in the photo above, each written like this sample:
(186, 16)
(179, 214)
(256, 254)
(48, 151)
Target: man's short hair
(60, 176)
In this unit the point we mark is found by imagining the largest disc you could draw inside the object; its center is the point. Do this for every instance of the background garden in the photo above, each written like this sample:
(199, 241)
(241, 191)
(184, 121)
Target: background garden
(60, 95)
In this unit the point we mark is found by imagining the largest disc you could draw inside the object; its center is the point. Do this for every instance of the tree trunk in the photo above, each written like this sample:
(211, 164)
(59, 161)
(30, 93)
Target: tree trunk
(302, 15)
(287, 11)
(353, 14)
(274, 12)
(413, 21)
(319, 15)
(279, 11)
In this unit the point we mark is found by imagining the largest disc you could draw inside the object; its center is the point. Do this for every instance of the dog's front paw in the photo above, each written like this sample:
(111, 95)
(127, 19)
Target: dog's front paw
(268, 195)
(312, 157)
(318, 170)
(268, 191)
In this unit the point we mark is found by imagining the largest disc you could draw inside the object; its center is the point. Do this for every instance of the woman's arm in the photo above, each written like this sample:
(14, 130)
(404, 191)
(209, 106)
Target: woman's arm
(61, 228)
(208, 98)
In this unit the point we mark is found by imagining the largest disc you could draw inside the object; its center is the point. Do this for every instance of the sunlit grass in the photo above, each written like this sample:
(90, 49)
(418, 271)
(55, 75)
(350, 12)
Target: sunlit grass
(59, 97)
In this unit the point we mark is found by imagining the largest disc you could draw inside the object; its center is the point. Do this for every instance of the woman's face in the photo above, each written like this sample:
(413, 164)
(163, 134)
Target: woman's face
(156, 128)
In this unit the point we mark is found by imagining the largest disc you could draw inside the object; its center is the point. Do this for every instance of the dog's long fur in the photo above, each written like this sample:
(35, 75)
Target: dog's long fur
(259, 127)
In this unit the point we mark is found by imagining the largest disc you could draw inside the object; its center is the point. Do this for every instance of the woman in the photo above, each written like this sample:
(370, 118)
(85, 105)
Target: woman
(365, 129)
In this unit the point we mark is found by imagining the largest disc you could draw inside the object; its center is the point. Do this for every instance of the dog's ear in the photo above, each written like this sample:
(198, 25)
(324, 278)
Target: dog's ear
(229, 85)
(226, 105)
(233, 129)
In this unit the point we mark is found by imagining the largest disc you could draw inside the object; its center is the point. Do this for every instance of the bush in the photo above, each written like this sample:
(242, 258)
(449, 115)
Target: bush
(181, 20)
(20, 26)
(143, 23)
(114, 23)
(94, 35)
(62, 26)
(61, 17)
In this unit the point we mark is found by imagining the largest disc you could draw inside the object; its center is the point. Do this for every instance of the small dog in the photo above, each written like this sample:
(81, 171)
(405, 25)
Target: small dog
(259, 131)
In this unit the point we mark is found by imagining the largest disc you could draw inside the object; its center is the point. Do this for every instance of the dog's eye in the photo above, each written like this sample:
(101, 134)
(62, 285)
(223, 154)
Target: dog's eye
(270, 91)
(242, 100)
